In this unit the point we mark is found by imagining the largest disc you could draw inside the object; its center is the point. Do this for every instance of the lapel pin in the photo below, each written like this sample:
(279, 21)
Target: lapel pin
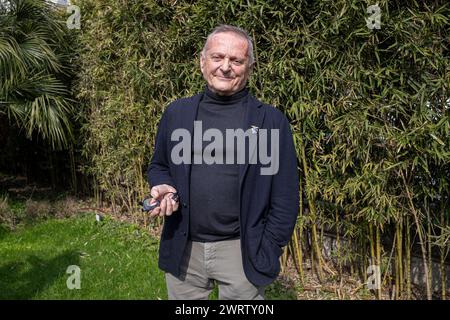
(254, 129)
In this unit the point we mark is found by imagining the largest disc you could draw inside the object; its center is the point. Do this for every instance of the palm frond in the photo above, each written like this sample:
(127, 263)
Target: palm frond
(33, 64)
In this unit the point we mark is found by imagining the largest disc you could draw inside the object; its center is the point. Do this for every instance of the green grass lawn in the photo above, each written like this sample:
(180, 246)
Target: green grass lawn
(117, 261)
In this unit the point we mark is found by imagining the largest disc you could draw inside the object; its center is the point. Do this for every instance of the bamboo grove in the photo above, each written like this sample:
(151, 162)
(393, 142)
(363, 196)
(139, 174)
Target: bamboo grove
(369, 109)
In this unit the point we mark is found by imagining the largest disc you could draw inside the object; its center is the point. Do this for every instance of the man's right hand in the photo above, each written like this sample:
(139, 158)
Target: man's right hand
(163, 193)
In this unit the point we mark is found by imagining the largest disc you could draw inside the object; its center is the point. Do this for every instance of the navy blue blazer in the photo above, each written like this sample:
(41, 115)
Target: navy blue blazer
(269, 204)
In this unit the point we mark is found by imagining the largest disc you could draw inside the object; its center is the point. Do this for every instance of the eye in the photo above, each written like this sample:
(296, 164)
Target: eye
(215, 58)
(238, 62)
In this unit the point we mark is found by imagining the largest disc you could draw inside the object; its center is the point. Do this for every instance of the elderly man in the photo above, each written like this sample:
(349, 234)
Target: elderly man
(234, 213)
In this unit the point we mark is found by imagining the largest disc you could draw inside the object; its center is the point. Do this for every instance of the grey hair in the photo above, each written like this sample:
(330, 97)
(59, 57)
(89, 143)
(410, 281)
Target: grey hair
(239, 31)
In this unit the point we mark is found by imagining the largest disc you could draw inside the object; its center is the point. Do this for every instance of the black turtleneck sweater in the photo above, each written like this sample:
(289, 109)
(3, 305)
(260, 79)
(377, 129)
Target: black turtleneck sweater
(214, 188)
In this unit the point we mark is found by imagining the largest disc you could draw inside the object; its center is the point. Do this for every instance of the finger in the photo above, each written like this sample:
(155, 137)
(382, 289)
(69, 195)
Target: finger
(163, 207)
(155, 212)
(175, 205)
(169, 208)
(171, 189)
(168, 188)
(154, 192)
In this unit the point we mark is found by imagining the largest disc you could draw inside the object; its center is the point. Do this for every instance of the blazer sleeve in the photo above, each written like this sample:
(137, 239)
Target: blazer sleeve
(158, 171)
(284, 197)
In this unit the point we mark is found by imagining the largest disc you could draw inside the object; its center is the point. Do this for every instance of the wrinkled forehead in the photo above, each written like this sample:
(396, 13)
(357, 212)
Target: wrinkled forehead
(227, 42)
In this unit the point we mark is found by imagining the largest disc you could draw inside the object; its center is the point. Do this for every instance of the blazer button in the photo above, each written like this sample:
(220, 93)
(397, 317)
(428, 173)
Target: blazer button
(184, 205)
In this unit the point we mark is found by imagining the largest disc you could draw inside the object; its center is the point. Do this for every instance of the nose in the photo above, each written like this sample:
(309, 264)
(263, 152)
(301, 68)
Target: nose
(225, 67)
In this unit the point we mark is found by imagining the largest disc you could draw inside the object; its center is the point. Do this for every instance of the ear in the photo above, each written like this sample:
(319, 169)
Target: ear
(202, 61)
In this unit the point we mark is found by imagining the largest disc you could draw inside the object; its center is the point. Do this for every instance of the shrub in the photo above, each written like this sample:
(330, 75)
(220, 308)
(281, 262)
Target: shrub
(37, 210)
(65, 208)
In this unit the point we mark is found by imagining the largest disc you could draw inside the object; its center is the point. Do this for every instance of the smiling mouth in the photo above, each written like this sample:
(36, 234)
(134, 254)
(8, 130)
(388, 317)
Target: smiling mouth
(224, 78)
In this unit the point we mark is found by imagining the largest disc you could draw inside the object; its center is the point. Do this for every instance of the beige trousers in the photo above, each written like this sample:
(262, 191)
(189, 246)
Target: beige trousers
(203, 264)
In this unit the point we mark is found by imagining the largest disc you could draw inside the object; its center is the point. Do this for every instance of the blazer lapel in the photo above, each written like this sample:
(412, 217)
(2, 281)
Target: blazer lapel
(254, 116)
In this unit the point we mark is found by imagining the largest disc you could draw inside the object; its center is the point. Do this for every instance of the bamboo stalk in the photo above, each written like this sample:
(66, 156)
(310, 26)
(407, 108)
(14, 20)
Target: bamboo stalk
(408, 259)
(399, 258)
(372, 249)
(338, 245)
(397, 268)
(300, 235)
(298, 251)
(419, 232)
(313, 213)
(429, 242)
(293, 254)
(401, 288)
(316, 250)
(378, 251)
(321, 221)
(363, 259)
(284, 258)
(394, 245)
(442, 260)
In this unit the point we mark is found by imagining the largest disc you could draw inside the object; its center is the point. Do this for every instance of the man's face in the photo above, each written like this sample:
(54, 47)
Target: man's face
(225, 65)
